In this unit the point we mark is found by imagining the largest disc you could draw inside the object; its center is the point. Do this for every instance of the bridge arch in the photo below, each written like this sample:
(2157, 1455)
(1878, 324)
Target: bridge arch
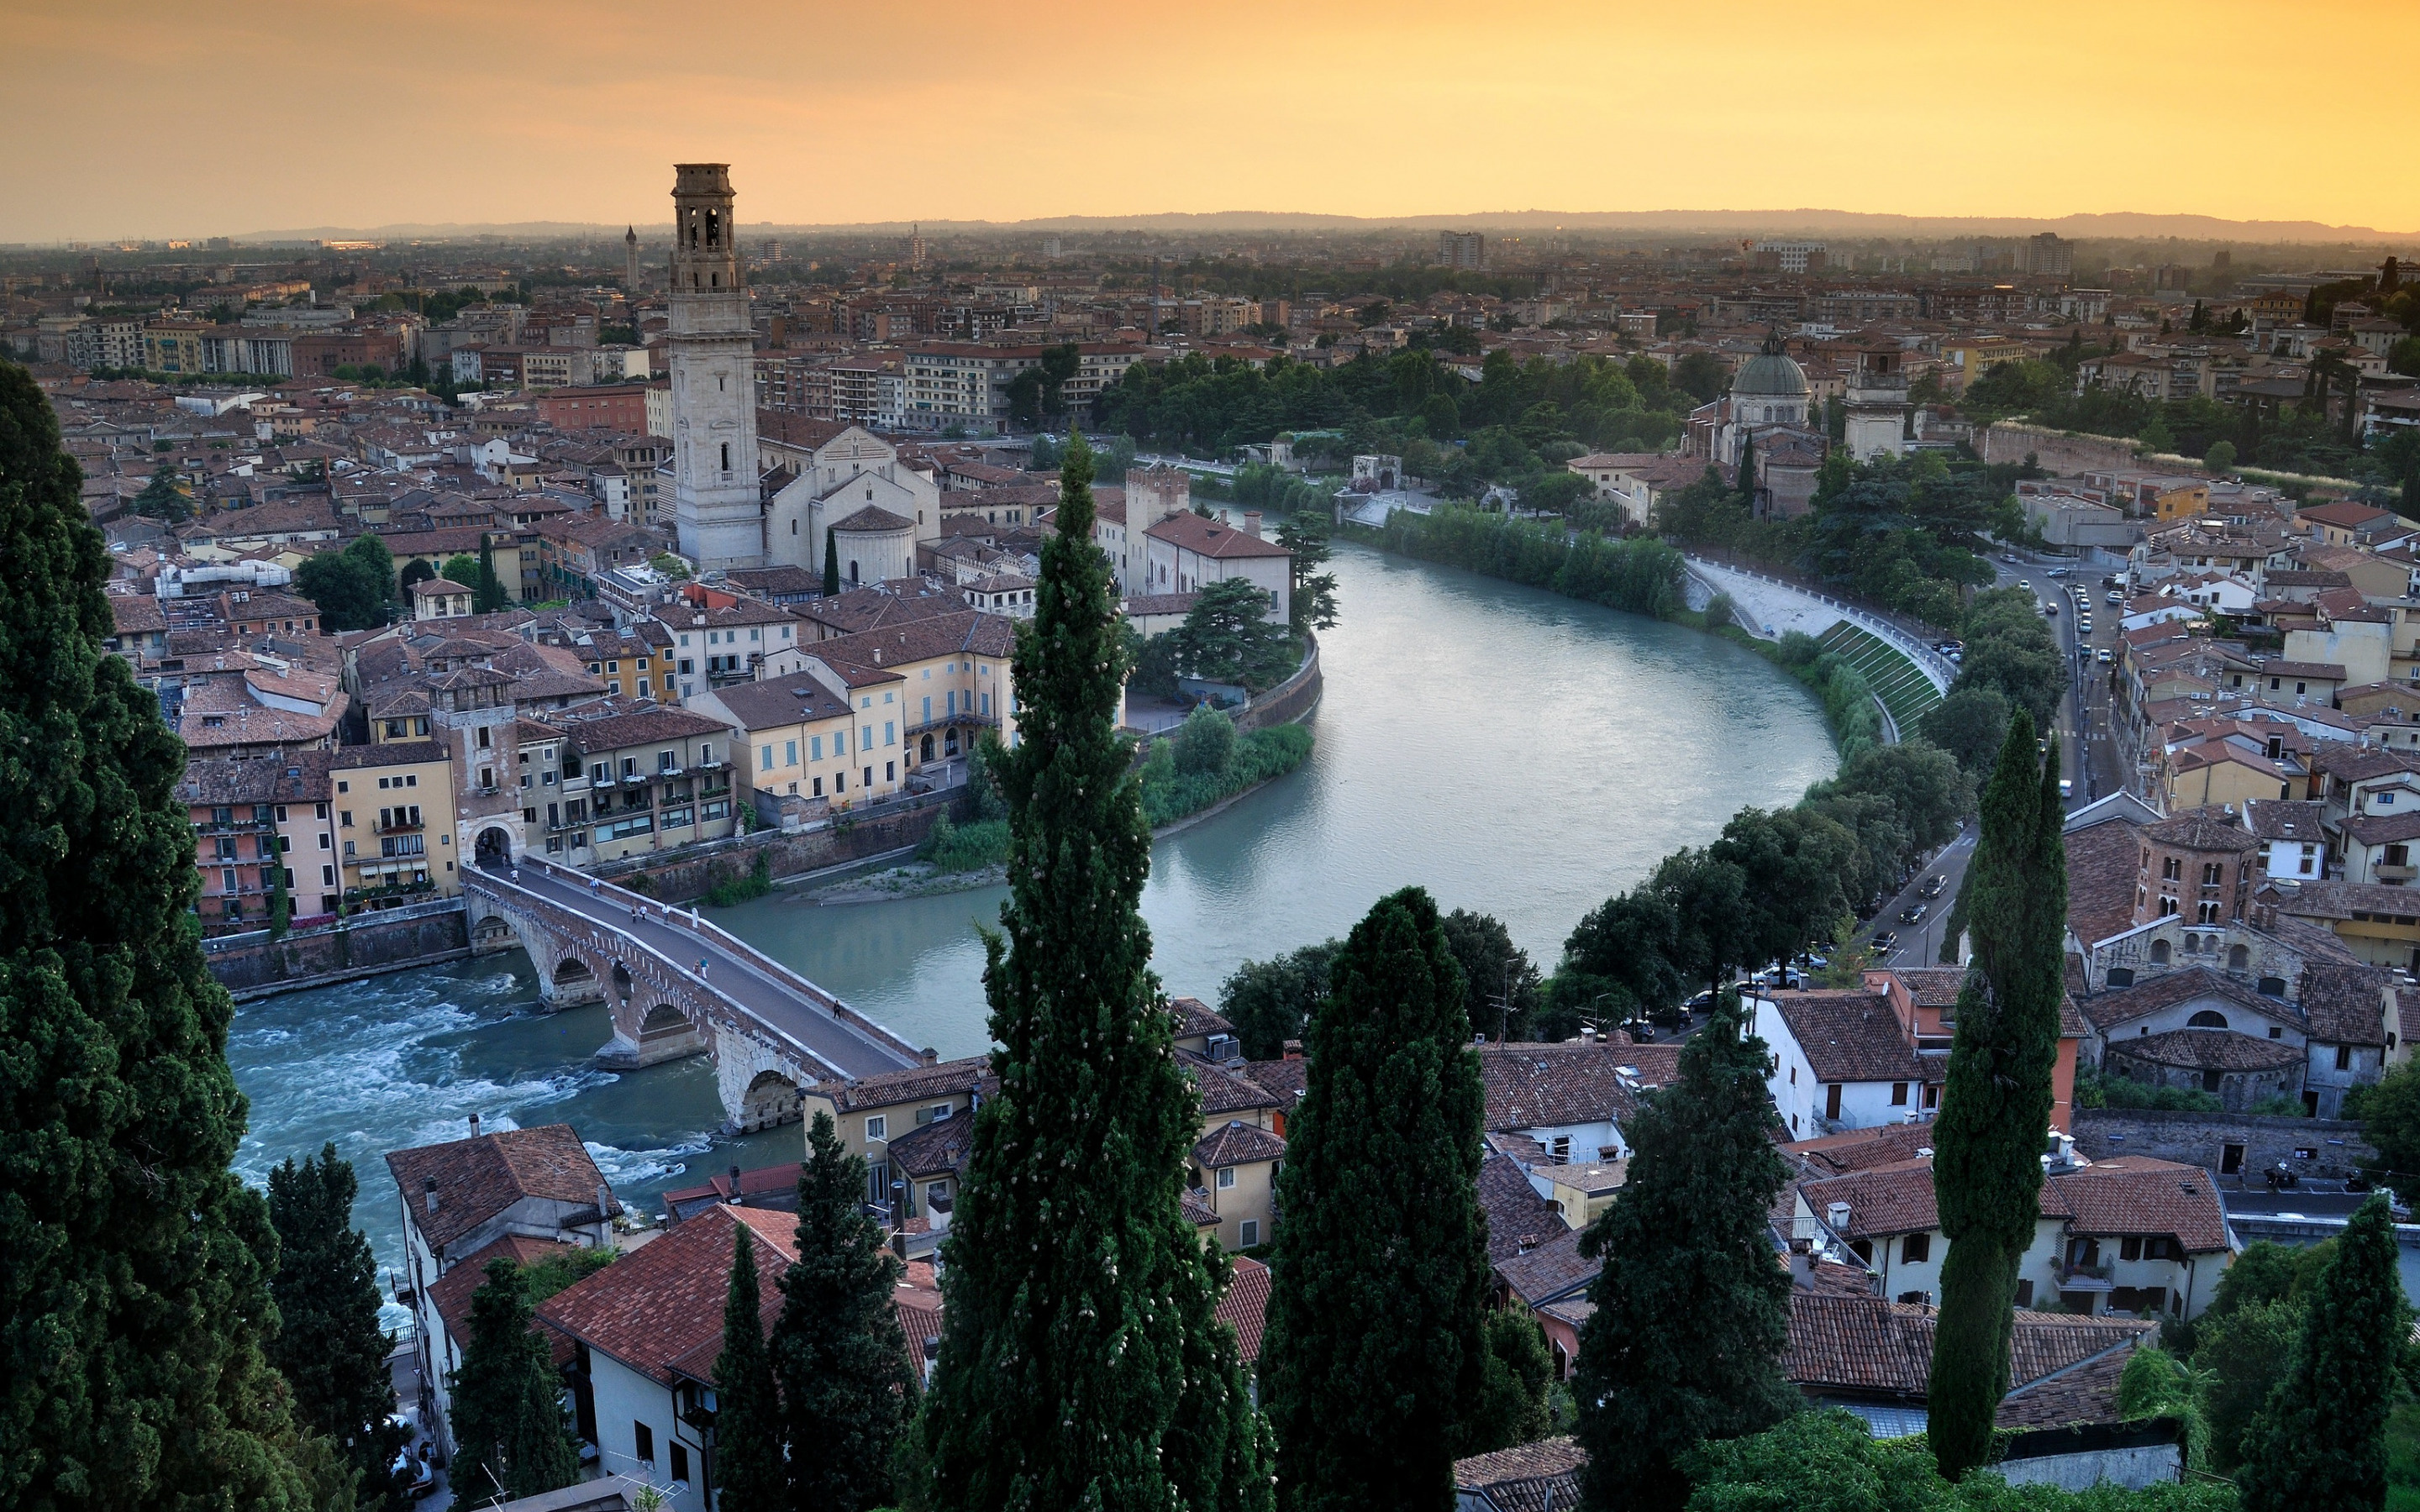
(770, 1098)
(661, 1022)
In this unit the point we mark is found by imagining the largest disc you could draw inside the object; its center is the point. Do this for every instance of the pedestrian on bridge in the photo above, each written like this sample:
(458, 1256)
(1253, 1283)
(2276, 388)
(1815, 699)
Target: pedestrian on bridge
(701, 967)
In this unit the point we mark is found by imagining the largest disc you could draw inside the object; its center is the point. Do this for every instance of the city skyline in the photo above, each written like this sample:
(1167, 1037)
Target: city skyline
(425, 111)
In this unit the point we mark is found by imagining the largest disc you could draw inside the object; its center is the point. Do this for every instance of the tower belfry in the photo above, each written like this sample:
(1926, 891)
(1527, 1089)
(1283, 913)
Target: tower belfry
(717, 508)
(630, 266)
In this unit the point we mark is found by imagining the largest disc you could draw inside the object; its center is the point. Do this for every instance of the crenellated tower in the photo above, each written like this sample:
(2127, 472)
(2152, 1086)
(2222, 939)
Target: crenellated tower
(717, 506)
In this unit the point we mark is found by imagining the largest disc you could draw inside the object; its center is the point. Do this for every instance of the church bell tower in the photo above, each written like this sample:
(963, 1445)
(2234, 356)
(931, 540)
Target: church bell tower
(716, 504)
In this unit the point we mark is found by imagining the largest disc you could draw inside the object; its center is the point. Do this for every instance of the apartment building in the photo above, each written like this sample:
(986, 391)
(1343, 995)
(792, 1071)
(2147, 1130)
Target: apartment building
(394, 822)
(632, 780)
(965, 384)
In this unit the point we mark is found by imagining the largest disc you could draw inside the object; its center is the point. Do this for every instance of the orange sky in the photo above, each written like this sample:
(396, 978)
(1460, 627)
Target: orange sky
(135, 117)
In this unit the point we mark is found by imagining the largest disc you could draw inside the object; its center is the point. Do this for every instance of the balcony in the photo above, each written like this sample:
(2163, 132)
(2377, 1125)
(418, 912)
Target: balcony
(399, 826)
(2076, 1276)
(2394, 875)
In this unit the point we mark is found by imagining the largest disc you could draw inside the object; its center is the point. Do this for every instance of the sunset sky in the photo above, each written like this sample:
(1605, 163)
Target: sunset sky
(133, 118)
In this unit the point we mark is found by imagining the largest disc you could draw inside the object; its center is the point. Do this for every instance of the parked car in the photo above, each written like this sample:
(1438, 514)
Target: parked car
(2104, 654)
(1915, 913)
(1934, 885)
(1640, 1031)
(2084, 625)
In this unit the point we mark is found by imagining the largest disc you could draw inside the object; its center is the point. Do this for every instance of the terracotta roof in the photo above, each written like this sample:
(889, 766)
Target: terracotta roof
(2170, 988)
(1236, 1142)
(937, 1147)
(450, 1293)
(1205, 537)
(1865, 1345)
(2085, 1393)
(1537, 1086)
(1853, 1036)
(1195, 1017)
(798, 699)
(2286, 819)
(1518, 1218)
(1554, 1269)
(2103, 864)
(477, 1179)
(2383, 828)
(1246, 1305)
(916, 1084)
(1285, 1080)
(1885, 1199)
(659, 1308)
(1225, 1091)
(1861, 1150)
(1529, 1477)
(871, 520)
(2137, 1194)
(2220, 1050)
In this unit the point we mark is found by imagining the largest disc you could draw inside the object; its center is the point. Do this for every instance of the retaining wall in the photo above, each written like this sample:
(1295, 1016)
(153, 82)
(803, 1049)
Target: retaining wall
(1289, 701)
(2201, 1140)
(681, 874)
(252, 964)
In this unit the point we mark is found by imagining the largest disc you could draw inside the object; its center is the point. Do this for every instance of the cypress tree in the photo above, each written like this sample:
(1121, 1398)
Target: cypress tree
(134, 1266)
(488, 595)
(2320, 1444)
(748, 1430)
(1747, 477)
(1692, 1310)
(1996, 1103)
(509, 1431)
(1082, 1360)
(329, 1346)
(1374, 1354)
(846, 1381)
(831, 562)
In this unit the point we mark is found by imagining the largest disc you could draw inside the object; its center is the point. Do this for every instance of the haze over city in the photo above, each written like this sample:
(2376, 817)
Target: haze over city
(429, 111)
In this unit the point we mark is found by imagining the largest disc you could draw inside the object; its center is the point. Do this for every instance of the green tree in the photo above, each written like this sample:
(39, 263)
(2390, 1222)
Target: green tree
(2319, 1442)
(509, 1437)
(831, 562)
(329, 1346)
(416, 571)
(1971, 724)
(281, 903)
(1205, 743)
(1515, 1371)
(2239, 1359)
(749, 1465)
(163, 498)
(1082, 1360)
(1312, 600)
(2390, 1120)
(1269, 1001)
(2220, 458)
(1375, 1353)
(135, 1302)
(351, 588)
(1500, 984)
(1995, 1105)
(847, 1386)
(1692, 1312)
(1228, 637)
(462, 570)
(488, 593)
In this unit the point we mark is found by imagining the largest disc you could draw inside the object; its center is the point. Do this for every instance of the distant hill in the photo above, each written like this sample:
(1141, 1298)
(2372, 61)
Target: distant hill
(2117, 225)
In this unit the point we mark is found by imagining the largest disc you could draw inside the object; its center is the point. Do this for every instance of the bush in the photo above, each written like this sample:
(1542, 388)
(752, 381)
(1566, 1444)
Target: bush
(2095, 1090)
(1206, 743)
(949, 847)
(1169, 793)
(754, 882)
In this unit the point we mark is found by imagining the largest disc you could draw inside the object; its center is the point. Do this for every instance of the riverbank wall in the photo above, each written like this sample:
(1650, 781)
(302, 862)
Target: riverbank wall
(679, 875)
(1289, 702)
(257, 964)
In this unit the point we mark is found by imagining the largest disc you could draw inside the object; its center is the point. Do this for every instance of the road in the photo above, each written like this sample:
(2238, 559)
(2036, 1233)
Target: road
(2088, 754)
(667, 931)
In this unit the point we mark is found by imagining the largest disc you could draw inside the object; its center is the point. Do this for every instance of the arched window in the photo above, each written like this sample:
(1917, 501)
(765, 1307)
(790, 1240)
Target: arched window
(2159, 952)
(2239, 958)
(2120, 977)
(2207, 1019)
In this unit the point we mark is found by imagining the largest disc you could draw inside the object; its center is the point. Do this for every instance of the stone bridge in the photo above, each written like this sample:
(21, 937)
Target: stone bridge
(677, 986)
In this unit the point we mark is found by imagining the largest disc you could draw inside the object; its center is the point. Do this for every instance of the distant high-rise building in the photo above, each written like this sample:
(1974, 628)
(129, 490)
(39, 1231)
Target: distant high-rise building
(715, 505)
(1790, 256)
(2047, 255)
(916, 249)
(1462, 249)
(631, 262)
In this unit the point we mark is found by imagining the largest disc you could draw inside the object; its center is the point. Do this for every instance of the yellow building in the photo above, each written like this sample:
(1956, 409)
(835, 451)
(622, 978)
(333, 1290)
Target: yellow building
(799, 744)
(873, 1111)
(1235, 1171)
(174, 345)
(2180, 501)
(394, 822)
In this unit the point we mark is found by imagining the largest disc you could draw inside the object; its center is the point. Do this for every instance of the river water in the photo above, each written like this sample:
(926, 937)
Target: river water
(1513, 751)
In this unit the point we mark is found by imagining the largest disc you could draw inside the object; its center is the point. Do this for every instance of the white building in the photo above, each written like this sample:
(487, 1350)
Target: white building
(1183, 553)
(514, 1195)
(855, 479)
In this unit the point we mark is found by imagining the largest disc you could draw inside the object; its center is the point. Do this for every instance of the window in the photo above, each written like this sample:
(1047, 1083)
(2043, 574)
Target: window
(815, 747)
(1899, 1094)
(2206, 913)
(1915, 1249)
(2171, 870)
(876, 1127)
(680, 1462)
(2211, 872)
(2025, 1294)
(2344, 1057)
(765, 757)
(644, 1439)
(1249, 1233)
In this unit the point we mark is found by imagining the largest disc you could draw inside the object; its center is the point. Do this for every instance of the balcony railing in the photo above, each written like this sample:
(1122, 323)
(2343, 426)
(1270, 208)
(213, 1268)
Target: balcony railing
(398, 826)
(2076, 1273)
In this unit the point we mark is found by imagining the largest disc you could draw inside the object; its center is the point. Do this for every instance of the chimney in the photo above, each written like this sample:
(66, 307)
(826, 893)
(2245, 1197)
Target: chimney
(1836, 1215)
(1252, 523)
(433, 1194)
(737, 1201)
(475, 1126)
(932, 1057)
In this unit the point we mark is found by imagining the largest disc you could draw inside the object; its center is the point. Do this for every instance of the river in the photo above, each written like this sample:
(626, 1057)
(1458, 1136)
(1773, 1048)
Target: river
(1513, 751)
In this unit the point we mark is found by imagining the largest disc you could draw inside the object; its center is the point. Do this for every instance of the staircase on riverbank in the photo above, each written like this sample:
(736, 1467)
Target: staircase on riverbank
(1904, 690)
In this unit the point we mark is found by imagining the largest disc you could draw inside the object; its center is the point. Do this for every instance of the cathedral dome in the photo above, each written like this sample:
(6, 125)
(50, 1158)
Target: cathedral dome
(1770, 372)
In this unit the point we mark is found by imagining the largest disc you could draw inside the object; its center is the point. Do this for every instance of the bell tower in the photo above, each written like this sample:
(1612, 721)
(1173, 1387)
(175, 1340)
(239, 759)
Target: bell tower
(717, 508)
